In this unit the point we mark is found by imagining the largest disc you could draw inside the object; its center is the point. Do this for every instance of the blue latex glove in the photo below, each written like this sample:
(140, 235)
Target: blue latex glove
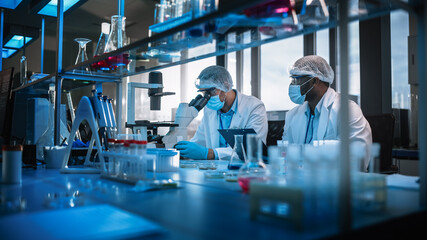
(192, 150)
(80, 144)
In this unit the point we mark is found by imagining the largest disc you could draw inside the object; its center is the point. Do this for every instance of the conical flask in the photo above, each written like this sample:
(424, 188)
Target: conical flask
(117, 39)
(254, 168)
(100, 48)
(238, 155)
(102, 41)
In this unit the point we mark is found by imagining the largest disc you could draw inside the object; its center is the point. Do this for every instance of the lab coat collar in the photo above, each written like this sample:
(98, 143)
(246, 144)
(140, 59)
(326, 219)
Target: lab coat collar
(237, 105)
(324, 107)
(234, 106)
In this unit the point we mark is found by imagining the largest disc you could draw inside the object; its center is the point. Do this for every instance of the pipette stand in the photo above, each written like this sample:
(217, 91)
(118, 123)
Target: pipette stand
(84, 112)
(89, 151)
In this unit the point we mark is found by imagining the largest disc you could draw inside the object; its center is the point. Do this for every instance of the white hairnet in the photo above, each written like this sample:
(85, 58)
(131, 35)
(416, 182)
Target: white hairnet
(215, 76)
(314, 66)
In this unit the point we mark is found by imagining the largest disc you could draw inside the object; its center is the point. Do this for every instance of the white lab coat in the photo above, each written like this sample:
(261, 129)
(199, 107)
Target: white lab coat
(250, 113)
(328, 129)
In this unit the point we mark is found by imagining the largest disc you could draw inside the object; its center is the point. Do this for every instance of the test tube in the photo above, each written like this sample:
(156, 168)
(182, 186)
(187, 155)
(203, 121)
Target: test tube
(111, 160)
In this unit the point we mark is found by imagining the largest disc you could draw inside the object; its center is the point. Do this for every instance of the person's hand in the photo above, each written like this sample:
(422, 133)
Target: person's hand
(192, 150)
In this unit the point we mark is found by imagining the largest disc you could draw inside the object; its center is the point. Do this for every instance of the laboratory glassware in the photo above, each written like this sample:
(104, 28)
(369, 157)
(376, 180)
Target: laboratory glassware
(276, 158)
(254, 168)
(100, 48)
(82, 55)
(117, 39)
(316, 13)
(46, 138)
(23, 70)
(237, 156)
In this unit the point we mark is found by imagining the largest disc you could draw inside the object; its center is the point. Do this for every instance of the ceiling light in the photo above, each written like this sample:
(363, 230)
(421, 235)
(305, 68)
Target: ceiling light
(12, 4)
(8, 52)
(50, 7)
(17, 41)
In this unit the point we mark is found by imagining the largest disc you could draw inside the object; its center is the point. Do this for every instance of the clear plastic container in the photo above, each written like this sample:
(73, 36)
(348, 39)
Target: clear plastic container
(167, 160)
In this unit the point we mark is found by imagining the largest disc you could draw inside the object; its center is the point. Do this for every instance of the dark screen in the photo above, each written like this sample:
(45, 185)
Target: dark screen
(5, 96)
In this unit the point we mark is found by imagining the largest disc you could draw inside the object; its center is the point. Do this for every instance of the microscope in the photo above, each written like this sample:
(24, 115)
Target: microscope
(155, 92)
(185, 113)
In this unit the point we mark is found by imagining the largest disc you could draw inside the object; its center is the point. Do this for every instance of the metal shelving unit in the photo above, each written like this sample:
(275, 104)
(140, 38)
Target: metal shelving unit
(163, 50)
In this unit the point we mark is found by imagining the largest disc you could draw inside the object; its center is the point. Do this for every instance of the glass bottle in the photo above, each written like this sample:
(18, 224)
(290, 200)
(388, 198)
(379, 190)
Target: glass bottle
(117, 39)
(82, 56)
(23, 70)
(254, 168)
(46, 139)
(237, 156)
(100, 48)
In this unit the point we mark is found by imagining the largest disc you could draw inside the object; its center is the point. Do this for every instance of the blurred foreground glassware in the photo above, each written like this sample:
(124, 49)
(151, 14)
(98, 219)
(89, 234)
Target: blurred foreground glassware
(316, 13)
(254, 168)
(100, 48)
(237, 156)
(276, 159)
(117, 39)
(82, 56)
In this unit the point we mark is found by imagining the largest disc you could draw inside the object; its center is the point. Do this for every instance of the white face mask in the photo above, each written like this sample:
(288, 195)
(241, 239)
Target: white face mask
(295, 93)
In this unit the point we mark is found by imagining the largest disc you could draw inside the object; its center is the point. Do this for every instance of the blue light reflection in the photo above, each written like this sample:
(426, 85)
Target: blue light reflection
(7, 52)
(17, 41)
(51, 8)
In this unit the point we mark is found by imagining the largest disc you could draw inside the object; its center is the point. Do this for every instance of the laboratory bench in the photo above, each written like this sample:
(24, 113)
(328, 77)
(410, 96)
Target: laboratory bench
(198, 208)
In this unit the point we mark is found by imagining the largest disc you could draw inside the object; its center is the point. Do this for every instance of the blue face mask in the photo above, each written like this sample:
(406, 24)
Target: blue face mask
(215, 103)
(295, 93)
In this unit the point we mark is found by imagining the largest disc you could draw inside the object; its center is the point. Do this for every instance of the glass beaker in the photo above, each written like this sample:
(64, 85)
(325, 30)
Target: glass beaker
(254, 168)
(82, 56)
(117, 39)
(238, 155)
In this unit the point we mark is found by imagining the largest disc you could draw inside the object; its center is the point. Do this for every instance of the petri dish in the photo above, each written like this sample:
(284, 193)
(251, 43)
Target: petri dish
(208, 166)
(231, 176)
(188, 165)
(213, 174)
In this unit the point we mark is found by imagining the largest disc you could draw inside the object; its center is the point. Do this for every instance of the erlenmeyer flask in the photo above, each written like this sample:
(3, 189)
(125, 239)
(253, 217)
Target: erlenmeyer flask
(254, 168)
(117, 39)
(100, 48)
(82, 56)
(238, 155)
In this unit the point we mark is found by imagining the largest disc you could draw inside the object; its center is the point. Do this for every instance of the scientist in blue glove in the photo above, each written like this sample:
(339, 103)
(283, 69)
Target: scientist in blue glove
(226, 108)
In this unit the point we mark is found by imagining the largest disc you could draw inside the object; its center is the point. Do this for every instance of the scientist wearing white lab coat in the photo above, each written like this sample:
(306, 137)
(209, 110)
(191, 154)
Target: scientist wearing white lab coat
(316, 116)
(227, 108)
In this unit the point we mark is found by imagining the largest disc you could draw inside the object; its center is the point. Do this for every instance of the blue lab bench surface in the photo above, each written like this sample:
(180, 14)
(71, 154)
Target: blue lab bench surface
(199, 209)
